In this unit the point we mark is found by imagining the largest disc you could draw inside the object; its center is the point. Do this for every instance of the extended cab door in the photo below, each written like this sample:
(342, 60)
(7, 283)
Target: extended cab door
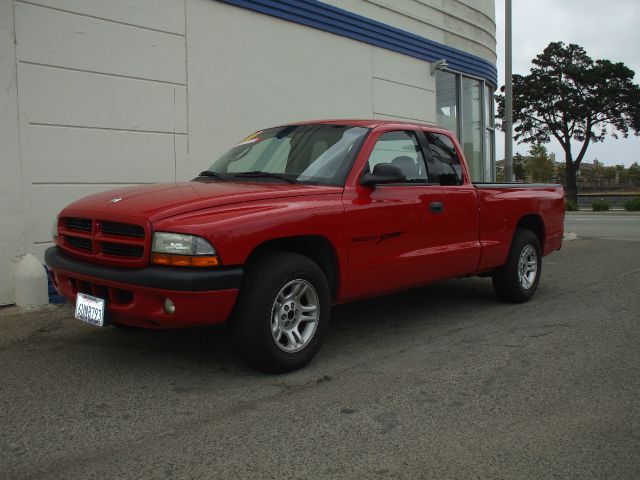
(390, 229)
(458, 225)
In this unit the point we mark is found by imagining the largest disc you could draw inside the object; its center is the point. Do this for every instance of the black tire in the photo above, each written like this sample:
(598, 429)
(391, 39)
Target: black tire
(507, 281)
(267, 279)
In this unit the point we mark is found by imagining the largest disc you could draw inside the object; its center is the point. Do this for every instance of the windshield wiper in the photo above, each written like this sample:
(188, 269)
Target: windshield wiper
(260, 174)
(210, 173)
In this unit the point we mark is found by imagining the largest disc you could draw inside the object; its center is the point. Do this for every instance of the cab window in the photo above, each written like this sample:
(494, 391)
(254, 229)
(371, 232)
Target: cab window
(400, 148)
(445, 158)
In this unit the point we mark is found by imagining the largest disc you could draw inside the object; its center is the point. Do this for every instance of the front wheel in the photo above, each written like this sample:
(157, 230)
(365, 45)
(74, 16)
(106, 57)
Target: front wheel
(282, 312)
(517, 280)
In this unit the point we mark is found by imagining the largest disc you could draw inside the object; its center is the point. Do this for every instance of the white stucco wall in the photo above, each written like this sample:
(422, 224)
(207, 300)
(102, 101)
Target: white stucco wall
(116, 92)
(102, 100)
(11, 192)
(242, 81)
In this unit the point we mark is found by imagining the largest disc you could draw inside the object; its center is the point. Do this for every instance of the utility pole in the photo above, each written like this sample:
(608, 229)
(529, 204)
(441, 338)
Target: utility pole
(508, 95)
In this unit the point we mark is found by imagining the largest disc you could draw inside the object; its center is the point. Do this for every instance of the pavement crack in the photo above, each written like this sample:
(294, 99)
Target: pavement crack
(538, 335)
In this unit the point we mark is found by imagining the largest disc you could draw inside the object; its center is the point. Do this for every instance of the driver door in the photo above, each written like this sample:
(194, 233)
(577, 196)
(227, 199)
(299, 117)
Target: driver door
(387, 239)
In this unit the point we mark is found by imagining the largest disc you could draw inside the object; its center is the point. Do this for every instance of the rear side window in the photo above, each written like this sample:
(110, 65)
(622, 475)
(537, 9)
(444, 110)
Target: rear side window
(402, 149)
(446, 159)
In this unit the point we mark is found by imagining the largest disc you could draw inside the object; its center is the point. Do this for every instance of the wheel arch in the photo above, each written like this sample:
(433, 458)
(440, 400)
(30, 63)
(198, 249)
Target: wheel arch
(535, 224)
(316, 247)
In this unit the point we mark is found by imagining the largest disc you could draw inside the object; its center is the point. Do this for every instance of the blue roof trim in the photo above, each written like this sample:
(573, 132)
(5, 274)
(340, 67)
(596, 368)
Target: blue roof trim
(322, 16)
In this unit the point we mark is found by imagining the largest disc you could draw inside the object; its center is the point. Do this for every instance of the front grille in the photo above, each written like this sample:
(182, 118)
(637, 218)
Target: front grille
(81, 224)
(122, 250)
(80, 243)
(122, 229)
(105, 241)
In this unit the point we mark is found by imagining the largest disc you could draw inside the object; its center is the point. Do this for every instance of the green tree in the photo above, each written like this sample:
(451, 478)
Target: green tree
(633, 174)
(539, 167)
(561, 175)
(570, 97)
(621, 174)
(519, 172)
(610, 174)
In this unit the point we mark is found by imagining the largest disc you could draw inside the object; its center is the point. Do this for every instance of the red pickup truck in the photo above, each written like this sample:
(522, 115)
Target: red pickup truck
(294, 219)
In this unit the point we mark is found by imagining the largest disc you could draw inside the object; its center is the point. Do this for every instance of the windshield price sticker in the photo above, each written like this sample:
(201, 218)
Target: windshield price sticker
(247, 142)
(90, 309)
(253, 138)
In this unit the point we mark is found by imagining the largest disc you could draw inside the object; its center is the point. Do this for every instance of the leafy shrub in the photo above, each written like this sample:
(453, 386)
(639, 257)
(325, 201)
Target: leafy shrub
(632, 205)
(600, 205)
(571, 206)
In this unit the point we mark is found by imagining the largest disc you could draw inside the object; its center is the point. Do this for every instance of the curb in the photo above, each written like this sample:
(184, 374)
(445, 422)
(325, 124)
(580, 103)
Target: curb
(607, 212)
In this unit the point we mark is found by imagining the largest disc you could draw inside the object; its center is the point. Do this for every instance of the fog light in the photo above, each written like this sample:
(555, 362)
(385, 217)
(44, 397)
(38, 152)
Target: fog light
(169, 307)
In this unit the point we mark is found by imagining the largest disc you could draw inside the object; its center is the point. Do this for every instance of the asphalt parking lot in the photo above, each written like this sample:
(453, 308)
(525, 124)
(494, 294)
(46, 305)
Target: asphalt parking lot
(439, 382)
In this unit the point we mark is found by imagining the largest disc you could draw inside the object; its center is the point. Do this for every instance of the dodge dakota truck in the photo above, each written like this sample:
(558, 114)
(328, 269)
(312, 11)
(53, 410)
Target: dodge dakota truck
(295, 219)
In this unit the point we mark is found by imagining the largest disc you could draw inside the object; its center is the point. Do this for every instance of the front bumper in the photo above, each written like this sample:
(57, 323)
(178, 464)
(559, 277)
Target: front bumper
(136, 296)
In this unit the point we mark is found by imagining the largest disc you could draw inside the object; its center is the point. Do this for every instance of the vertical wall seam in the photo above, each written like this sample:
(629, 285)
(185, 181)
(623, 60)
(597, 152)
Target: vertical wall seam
(21, 166)
(175, 157)
(186, 71)
(373, 74)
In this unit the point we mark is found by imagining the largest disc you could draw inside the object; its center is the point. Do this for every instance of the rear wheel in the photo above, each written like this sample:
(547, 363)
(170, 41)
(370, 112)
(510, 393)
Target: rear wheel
(518, 279)
(282, 312)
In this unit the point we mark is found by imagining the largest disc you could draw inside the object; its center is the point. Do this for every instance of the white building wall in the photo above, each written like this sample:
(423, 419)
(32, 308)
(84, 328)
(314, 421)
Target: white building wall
(119, 92)
(11, 202)
(242, 81)
(102, 100)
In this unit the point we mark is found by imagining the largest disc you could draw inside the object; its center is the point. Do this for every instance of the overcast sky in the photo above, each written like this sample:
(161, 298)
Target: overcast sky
(605, 29)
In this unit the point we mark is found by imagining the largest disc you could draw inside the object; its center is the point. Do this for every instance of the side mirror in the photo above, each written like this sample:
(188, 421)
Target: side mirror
(383, 173)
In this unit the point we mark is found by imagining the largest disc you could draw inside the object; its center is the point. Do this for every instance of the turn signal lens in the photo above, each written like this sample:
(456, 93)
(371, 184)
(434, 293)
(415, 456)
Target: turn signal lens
(184, 260)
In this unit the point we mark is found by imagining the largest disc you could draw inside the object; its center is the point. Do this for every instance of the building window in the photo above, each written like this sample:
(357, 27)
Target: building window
(489, 135)
(464, 105)
(447, 101)
(472, 127)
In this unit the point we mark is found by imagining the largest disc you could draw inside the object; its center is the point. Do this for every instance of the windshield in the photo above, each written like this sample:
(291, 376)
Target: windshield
(314, 154)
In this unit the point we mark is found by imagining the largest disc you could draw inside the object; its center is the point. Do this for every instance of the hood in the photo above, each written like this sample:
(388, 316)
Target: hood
(155, 202)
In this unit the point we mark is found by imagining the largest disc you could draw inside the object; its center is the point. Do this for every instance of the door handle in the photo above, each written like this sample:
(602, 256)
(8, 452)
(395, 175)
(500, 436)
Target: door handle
(436, 207)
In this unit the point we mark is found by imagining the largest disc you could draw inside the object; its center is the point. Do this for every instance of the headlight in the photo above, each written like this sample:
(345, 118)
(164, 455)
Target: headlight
(177, 249)
(179, 244)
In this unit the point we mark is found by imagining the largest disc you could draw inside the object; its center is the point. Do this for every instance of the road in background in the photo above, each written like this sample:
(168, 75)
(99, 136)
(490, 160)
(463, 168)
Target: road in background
(610, 225)
(438, 382)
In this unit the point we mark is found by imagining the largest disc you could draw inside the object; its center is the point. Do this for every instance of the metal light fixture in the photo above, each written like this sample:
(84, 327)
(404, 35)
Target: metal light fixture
(438, 65)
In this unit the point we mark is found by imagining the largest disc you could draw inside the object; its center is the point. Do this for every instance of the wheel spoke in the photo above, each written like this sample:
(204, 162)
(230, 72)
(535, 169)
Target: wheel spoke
(294, 338)
(301, 291)
(309, 319)
(295, 290)
(277, 333)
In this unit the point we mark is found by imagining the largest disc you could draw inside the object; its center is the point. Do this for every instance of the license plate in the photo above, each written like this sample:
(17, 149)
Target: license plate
(90, 309)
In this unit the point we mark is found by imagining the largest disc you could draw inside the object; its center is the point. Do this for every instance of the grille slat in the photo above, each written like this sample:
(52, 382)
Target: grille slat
(122, 250)
(81, 224)
(122, 229)
(80, 243)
